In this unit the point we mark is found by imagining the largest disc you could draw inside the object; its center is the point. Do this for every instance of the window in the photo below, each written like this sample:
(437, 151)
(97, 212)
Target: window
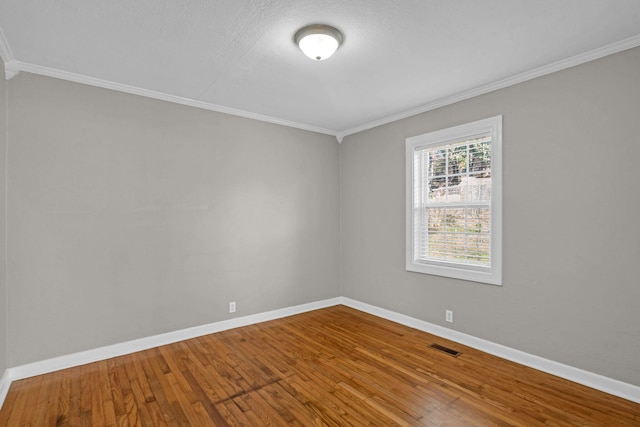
(454, 202)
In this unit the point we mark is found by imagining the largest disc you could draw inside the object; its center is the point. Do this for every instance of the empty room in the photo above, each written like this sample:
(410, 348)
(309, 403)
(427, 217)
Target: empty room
(319, 213)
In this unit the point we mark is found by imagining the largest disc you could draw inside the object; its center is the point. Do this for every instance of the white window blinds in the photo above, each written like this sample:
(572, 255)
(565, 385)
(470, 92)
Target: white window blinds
(452, 202)
(454, 182)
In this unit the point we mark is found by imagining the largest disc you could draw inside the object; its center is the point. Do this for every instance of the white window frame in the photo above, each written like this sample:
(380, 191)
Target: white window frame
(492, 274)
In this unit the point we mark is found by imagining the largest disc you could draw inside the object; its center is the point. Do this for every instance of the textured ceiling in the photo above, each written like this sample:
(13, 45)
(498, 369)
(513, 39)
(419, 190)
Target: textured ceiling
(239, 55)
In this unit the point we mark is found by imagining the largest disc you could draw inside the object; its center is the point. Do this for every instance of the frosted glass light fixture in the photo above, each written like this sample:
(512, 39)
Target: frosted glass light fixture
(318, 41)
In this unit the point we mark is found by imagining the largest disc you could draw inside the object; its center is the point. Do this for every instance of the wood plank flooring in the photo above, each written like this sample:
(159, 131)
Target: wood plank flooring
(331, 367)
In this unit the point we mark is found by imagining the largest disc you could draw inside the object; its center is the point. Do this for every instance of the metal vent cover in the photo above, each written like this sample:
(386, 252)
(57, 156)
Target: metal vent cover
(444, 349)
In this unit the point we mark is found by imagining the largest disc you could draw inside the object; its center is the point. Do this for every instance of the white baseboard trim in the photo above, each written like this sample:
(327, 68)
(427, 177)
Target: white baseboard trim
(115, 350)
(5, 383)
(596, 381)
(589, 379)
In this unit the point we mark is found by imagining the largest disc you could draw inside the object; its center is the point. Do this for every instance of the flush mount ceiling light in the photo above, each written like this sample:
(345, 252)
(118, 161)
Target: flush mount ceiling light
(318, 41)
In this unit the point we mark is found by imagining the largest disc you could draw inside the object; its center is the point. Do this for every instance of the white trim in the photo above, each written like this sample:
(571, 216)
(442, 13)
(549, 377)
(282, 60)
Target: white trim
(5, 383)
(10, 65)
(107, 352)
(5, 51)
(106, 84)
(492, 127)
(7, 58)
(11, 70)
(573, 61)
(13, 67)
(608, 385)
(598, 382)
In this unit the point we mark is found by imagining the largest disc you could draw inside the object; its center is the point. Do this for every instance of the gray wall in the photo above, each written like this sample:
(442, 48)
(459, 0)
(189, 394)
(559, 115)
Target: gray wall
(131, 217)
(3, 241)
(571, 233)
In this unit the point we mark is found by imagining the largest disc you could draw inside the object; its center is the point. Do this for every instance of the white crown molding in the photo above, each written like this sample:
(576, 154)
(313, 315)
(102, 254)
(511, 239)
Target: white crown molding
(589, 379)
(501, 84)
(11, 70)
(106, 84)
(5, 51)
(13, 67)
(10, 66)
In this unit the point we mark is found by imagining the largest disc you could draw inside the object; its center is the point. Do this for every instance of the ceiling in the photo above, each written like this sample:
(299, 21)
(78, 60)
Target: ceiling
(238, 56)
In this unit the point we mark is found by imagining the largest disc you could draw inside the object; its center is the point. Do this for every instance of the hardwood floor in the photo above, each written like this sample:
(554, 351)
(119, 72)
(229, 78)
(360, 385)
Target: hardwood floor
(330, 367)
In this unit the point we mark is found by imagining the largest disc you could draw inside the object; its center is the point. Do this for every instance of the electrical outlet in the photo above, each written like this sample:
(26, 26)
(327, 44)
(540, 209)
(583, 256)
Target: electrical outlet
(232, 307)
(448, 316)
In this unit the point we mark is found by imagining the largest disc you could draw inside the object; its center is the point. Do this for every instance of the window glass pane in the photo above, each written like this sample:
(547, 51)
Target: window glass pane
(449, 224)
(454, 235)
(436, 220)
(456, 159)
(437, 190)
(480, 155)
(478, 249)
(437, 246)
(478, 220)
(453, 189)
(457, 173)
(437, 161)
(477, 188)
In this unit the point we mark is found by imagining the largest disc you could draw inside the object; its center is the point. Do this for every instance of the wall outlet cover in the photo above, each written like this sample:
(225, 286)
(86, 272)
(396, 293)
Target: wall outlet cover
(448, 315)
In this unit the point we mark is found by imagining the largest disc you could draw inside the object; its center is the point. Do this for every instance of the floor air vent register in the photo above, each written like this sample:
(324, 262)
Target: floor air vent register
(444, 349)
